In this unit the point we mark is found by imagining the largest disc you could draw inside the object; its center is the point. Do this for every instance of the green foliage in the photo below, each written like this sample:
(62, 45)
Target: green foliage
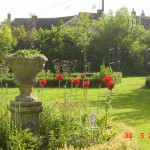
(64, 125)
(105, 71)
(3, 70)
(117, 77)
(21, 139)
(26, 39)
(114, 31)
(7, 41)
(4, 127)
(67, 42)
(87, 41)
(26, 53)
(13, 137)
(8, 82)
(52, 141)
(45, 74)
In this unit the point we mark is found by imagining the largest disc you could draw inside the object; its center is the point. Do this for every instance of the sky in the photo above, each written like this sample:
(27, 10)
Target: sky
(59, 8)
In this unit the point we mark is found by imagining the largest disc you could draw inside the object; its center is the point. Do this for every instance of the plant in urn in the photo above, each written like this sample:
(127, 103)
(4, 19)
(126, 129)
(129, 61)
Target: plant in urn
(26, 64)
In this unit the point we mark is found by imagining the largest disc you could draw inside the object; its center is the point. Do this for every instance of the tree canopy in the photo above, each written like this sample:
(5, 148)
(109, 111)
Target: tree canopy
(115, 39)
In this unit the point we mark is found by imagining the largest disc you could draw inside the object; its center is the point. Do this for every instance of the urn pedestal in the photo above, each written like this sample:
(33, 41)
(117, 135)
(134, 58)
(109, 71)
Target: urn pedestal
(25, 108)
(26, 114)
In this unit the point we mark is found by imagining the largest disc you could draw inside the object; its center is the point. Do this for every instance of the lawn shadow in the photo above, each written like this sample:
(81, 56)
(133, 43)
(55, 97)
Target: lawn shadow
(134, 107)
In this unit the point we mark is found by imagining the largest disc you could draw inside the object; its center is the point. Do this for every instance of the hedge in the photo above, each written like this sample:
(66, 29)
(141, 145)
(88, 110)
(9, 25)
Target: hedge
(8, 83)
(95, 82)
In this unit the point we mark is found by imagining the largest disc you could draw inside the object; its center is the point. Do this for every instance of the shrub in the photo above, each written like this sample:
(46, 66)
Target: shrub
(21, 139)
(63, 124)
(117, 77)
(105, 71)
(64, 127)
(45, 74)
(8, 82)
(94, 82)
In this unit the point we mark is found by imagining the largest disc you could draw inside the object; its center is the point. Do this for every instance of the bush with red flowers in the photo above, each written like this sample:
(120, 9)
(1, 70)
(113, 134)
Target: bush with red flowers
(42, 82)
(108, 81)
(110, 85)
(59, 76)
(85, 83)
(75, 81)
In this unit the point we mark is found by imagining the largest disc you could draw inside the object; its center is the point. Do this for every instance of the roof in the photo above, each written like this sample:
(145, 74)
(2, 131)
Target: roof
(44, 23)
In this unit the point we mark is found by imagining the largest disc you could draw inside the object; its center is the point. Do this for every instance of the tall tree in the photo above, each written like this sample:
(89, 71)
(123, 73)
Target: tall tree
(26, 39)
(115, 31)
(84, 32)
(7, 42)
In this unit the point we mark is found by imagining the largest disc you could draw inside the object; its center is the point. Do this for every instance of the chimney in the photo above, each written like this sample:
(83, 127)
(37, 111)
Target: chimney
(133, 12)
(102, 5)
(34, 21)
(143, 14)
(99, 12)
(34, 18)
(9, 17)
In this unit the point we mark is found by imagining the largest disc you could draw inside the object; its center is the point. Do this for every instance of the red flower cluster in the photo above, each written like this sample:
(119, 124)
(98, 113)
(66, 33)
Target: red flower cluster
(75, 81)
(106, 79)
(85, 83)
(59, 76)
(42, 82)
(109, 83)
(82, 76)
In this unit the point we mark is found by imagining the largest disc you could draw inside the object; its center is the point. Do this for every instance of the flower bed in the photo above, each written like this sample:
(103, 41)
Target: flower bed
(69, 125)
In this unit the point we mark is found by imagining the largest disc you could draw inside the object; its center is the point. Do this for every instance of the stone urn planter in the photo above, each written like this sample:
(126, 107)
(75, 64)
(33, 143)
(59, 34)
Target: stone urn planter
(25, 108)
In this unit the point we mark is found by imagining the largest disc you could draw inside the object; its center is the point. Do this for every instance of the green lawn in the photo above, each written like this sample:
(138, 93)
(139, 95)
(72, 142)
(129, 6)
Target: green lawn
(131, 105)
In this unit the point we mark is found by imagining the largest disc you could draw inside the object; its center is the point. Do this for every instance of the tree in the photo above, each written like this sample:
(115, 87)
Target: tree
(7, 42)
(113, 31)
(84, 33)
(26, 39)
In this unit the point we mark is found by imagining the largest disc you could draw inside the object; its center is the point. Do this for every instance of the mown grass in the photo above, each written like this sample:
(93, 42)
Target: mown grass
(131, 104)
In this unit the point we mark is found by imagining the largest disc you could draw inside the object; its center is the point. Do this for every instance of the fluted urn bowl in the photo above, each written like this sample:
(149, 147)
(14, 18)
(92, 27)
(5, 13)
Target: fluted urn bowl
(25, 71)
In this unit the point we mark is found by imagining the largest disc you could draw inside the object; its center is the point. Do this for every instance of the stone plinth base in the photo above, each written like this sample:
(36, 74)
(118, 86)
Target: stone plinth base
(26, 114)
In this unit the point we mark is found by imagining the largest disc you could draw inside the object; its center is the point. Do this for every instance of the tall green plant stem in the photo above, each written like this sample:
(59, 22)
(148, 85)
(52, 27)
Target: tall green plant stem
(107, 108)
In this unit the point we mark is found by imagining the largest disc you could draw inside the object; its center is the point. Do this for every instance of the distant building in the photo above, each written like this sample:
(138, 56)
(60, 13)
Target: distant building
(145, 20)
(46, 23)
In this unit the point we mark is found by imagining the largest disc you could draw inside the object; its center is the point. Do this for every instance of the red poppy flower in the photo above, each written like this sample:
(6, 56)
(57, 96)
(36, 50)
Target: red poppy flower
(42, 82)
(59, 76)
(82, 76)
(106, 79)
(75, 81)
(86, 84)
(110, 85)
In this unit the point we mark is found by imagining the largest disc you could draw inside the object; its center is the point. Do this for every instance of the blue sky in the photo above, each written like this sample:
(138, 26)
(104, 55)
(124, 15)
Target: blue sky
(57, 8)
